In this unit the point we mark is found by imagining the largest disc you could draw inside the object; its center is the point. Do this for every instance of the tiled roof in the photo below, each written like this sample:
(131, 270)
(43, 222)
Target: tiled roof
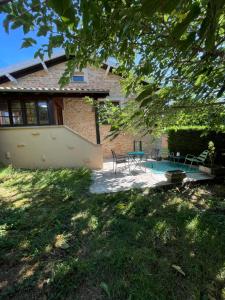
(52, 90)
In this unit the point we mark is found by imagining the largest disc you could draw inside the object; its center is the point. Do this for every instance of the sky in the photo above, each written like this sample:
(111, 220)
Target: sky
(10, 46)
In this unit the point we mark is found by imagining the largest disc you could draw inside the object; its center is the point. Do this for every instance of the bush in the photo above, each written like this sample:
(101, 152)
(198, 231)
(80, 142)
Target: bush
(194, 142)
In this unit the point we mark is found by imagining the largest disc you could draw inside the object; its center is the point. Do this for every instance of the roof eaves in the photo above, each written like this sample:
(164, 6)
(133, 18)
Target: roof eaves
(27, 64)
(53, 90)
(25, 68)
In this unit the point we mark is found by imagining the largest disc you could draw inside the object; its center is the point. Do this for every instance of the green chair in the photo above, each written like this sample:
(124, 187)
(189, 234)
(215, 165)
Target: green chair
(197, 159)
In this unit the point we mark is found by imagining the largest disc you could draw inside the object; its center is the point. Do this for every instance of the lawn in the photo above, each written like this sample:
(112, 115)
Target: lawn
(58, 241)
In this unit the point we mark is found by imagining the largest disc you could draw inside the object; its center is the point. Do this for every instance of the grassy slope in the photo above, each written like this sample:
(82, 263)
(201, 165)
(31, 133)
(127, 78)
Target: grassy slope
(59, 242)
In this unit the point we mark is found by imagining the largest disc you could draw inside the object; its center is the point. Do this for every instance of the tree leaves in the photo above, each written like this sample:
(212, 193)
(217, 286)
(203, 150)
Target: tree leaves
(178, 269)
(65, 9)
(6, 22)
(146, 93)
(105, 288)
(149, 7)
(16, 24)
(170, 52)
(181, 27)
(28, 42)
(200, 79)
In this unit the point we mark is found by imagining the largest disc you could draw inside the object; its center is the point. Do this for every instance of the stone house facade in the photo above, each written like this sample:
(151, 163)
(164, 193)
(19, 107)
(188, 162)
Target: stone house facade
(66, 107)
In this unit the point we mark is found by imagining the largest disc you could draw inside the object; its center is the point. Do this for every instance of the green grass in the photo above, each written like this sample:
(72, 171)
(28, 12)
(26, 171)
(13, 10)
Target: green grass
(57, 241)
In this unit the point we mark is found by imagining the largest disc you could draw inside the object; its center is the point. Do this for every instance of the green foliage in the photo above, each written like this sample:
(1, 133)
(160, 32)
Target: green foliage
(177, 47)
(108, 112)
(212, 152)
(105, 287)
(181, 27)
(27, 42)
(120, 117)
(195, 141)
(129, 245)
(65, 9)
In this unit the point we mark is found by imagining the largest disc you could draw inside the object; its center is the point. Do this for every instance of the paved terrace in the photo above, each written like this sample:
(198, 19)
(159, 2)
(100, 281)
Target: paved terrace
(106, 181)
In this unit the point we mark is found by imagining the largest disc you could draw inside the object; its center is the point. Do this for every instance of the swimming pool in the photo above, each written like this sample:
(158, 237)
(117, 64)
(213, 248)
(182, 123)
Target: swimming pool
(161, 167)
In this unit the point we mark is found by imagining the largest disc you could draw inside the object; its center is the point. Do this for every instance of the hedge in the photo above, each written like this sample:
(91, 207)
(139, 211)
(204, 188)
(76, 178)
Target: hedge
(194, 142)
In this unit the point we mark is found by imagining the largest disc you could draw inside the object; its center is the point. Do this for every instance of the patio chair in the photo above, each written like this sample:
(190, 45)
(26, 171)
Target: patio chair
(197, 159)
(119, 159)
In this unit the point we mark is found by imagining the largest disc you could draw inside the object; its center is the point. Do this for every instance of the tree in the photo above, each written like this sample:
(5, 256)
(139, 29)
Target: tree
(170, 52)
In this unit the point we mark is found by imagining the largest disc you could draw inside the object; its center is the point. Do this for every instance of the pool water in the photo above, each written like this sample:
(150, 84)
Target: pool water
(161, 167)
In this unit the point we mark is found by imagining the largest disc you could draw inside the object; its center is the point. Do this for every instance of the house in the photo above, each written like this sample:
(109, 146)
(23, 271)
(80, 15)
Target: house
(43, 125)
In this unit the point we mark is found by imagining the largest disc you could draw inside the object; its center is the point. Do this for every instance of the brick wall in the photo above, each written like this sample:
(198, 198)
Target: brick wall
(125, 142)
(80, 116)
(96, 79)
(121, 144)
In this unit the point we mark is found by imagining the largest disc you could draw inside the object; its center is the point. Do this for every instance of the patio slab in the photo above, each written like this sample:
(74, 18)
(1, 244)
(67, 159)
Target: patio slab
(106, 181)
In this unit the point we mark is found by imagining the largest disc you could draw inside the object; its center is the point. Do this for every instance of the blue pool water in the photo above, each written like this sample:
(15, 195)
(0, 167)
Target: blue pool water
(161, 167)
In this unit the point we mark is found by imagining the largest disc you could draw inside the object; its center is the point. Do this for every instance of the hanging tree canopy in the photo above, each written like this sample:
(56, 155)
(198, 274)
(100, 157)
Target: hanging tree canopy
(177, 47)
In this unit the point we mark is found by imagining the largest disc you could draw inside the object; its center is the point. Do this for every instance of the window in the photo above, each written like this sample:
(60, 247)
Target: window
(43, 112)
(4, 113)
(17, 115)
(78, 78)
(31, 112)
(27, 112)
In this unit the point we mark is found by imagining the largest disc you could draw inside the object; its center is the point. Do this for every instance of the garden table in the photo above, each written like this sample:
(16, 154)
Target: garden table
(136, 158)
(178, 158)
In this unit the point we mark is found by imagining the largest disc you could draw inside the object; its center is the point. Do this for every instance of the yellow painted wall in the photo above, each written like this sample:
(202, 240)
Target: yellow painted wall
(47, 147)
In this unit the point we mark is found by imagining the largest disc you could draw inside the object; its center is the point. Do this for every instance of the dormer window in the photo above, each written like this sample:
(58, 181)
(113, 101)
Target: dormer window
(78, 77)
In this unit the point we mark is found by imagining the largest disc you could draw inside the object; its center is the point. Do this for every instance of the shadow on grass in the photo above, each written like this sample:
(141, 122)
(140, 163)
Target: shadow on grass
(59, 242)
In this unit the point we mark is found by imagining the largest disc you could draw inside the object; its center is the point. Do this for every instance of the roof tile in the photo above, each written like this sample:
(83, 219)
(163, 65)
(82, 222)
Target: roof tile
(55, 89)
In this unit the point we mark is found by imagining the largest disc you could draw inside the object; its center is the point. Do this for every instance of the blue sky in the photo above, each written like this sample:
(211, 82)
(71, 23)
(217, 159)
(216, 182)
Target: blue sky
(10, 46)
